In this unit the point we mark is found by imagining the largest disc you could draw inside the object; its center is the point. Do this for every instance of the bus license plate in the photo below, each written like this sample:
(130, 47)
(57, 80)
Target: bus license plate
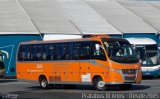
(131, 75)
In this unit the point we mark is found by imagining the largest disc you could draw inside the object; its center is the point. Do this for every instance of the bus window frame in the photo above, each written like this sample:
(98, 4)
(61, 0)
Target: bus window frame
(76, 45)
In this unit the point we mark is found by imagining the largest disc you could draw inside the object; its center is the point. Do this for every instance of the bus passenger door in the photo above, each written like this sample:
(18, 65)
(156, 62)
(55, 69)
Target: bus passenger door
(85, 54)
(92, 60)
(73, 62)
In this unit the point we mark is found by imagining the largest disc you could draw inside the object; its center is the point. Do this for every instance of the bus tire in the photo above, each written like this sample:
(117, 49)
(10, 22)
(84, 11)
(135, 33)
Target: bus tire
(44, 83)
(99, 84)
(125, 86)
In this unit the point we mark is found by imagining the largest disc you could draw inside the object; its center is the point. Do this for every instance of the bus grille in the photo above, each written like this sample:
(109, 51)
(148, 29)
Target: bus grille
(130, 78)
(129, 74)
(129, 71)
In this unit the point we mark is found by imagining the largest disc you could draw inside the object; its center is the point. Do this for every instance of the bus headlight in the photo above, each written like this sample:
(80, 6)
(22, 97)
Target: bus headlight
(118, 71)
(111, 69)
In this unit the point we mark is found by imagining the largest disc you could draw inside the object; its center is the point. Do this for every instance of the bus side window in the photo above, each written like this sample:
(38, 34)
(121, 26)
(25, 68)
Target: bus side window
(51, 51)
(75, 51)
(27, 53)
(69, 51)
(66, 55)
(59, 51)
(21, 53)
(33, 52)
(45, 54)
(97, 51)
(39, 52)
(85, 50)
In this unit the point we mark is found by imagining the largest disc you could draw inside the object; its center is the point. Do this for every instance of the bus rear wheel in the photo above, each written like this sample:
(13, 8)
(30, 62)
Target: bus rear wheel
(44, 83)
(125, 86)
(99, 84)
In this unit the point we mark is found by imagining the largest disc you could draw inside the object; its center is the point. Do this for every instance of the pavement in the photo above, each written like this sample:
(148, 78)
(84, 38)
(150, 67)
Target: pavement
(14, 89)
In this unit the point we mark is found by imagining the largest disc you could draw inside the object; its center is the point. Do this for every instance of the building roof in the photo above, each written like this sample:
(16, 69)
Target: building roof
(47, 17)
(85, 18)
(14, 20)
(120, 17)
(66, 17)
(71, 17)
(148, 13)
(155, 4)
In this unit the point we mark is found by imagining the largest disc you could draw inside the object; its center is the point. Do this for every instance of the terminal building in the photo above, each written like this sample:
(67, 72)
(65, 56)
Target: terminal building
(15, 27)
(124, 20)
(26, 20)
(146, 11)
(142, 35)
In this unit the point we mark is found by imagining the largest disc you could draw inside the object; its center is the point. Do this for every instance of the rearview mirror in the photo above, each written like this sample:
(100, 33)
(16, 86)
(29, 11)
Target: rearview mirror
(97, 47)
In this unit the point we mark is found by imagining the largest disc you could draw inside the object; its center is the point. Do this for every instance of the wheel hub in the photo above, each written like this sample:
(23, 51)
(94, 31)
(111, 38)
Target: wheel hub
(101, 84)
(43, 83)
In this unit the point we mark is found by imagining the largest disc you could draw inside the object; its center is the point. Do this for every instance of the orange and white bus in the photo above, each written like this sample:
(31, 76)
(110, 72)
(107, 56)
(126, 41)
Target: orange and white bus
(96, 61)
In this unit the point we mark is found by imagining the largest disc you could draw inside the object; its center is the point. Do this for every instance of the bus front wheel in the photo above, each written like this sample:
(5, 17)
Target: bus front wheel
(44, 83)
(99, 84)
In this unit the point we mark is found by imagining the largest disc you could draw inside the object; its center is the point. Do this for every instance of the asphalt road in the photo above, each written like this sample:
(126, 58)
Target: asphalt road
(13, 89)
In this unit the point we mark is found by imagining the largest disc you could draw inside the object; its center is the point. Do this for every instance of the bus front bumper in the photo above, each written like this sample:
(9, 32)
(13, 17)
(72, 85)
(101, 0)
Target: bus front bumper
(119, 83)
(129, 76)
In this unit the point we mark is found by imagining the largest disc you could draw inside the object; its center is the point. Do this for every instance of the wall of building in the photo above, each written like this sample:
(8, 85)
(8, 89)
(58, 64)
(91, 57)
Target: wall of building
(111, 35)
(58, 37)
(116, 36)
(9, 45)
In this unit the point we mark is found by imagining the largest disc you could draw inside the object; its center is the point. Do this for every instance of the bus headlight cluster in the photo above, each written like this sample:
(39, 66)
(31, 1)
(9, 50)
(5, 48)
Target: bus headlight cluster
(118, 71)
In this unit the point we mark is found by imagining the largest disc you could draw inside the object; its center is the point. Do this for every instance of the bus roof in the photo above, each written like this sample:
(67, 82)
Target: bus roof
(65, 40)
(71, 40)
(141, 41)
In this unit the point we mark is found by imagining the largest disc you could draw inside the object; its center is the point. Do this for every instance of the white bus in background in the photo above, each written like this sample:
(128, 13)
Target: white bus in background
(147, 50)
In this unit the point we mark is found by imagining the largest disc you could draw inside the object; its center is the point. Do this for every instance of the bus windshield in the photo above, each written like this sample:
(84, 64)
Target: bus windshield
(120, 51)
(147, 54)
